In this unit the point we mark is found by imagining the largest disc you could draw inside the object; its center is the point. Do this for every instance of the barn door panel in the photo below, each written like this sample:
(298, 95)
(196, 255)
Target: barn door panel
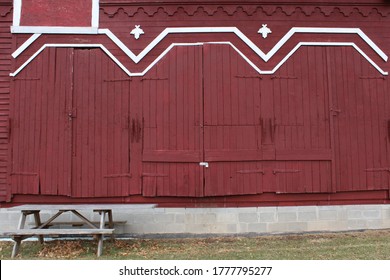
(233, 124)
(101, 127)
(361, 122)
(172, 121)
(302, 133)
(41, 131)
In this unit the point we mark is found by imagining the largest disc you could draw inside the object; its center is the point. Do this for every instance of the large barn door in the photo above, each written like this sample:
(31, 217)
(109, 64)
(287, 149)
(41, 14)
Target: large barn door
(266, 133)
(70, 126)
(100, 127)
(302, 124)
(202, 125)
(361, 122)
(214, 127)
(40, 130)
(235, 139)
(172, 123)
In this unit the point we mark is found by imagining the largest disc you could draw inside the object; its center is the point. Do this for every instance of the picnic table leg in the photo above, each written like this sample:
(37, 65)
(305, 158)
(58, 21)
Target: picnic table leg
(110, 223)
(18, 239)
(15, 250)
(110, 220)
(101, 236)
(38, 223)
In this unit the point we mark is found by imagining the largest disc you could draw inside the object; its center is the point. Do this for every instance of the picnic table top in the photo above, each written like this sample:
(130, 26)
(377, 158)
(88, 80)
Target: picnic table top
(67, 207)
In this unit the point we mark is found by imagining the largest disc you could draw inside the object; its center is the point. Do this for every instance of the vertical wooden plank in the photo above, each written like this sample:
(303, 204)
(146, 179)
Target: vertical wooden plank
(84, 110)
(322, 96)
(48, 71)
(346, 136)
(39, 119)
(115, 110)
(199, 118)
(87, 130)
(375, 136)
(363, 125)
(333, 105)
(61, 77)
(99, 79)
(106, 89)
(180, 92)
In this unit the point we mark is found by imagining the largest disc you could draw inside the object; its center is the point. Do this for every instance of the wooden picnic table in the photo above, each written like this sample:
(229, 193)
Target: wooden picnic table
(42, 228)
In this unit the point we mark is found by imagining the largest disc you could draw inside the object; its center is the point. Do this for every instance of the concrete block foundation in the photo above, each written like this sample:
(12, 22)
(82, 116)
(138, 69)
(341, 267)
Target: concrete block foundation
(258, 220)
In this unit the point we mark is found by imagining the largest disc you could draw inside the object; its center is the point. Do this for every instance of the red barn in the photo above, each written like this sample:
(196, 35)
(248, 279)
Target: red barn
(195, 103)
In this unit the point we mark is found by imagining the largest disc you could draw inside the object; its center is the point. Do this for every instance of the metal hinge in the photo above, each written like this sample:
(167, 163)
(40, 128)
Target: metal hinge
(276, 171)
(154, 79)
(372, 77)
(378, 169)
(154, 175)
(27, 79)
(251, 171)
(119, 80)
(249, 77)
(117, 175)
(284, 77)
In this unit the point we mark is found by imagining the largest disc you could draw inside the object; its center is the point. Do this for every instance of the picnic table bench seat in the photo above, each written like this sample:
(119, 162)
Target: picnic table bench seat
(49, 231)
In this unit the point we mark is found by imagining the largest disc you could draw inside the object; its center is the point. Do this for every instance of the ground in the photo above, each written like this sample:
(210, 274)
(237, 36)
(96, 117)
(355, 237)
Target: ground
(373, 244)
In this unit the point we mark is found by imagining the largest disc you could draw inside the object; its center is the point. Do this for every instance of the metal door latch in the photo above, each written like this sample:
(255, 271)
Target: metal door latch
(205, 164)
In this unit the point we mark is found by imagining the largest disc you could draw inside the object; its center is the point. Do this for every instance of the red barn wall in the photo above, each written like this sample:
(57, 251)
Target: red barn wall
(56, 13)
(91, 121)
(5, 69)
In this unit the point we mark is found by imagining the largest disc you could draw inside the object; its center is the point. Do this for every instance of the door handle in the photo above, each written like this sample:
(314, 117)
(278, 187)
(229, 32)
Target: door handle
(72, 114)
(205, 164)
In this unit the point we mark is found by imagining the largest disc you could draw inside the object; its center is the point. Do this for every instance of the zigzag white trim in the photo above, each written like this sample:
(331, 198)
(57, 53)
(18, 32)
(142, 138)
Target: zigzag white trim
(245, 39)
(236, 31)
(127, 71)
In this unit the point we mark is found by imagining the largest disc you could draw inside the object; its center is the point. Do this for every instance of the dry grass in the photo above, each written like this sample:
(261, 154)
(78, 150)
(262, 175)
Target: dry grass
(352, 245)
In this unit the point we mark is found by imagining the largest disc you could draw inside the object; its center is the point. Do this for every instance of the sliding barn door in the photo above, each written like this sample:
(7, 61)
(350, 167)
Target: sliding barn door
(40, 129)
(302, 124)
(172, 122)
(215, 127)
(100, 126)
(70, 126)
(233, 124)
(362, 122)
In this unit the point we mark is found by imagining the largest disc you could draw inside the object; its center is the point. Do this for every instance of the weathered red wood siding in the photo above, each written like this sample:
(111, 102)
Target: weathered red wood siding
(56, 13)
(5, 68)
(315, 131)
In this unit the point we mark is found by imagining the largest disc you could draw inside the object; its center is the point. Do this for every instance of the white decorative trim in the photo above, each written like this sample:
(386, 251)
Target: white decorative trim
(95, 13)
(245, 39)
(258, 70)
(17, 12)
(237, 32)
(264, 31)
(71, 46)
(137, 31)
(25, 45)
(54, 30)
